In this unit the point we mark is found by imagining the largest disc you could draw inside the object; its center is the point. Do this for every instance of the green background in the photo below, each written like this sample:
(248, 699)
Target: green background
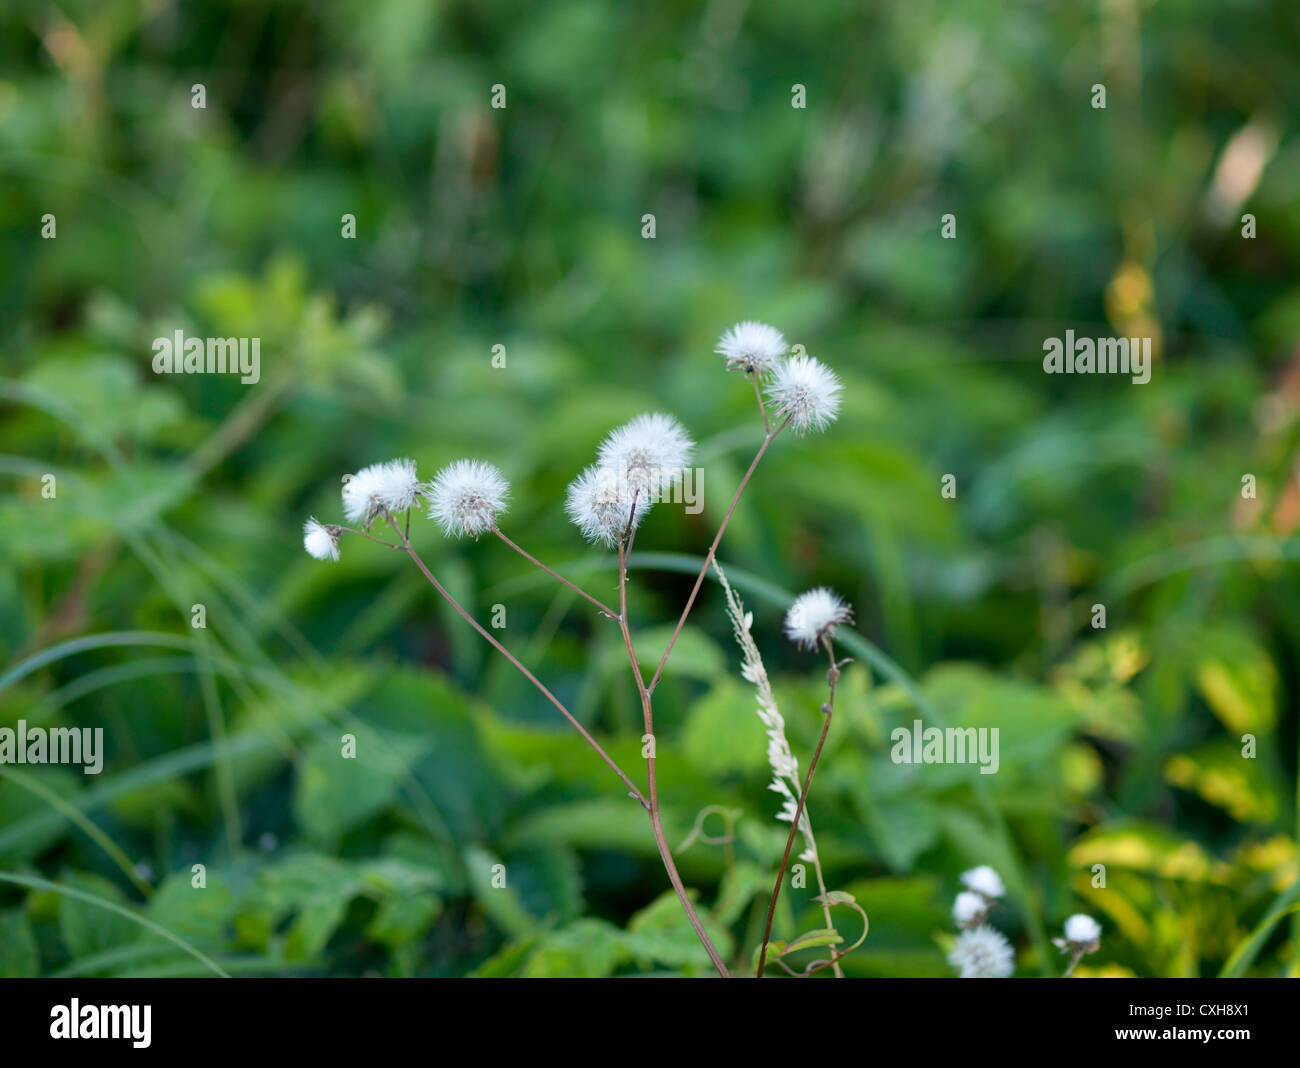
(521, 227)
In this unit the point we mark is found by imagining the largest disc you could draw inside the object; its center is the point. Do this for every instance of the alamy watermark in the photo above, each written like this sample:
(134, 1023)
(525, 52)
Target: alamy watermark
(76, 1020)
(950, 745)
(181, 355)
(53, 745)
(684, 486)
(1102, 356)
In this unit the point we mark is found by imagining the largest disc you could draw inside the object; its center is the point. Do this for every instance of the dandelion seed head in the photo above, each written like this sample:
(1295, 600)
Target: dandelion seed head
(600, 503)
(807, 391)
(650, 452)
(466, 497)
(982, 953)
(390, 486)
(752, 347)
(815, 614)
(1082, 930)
(320, 541)
(969, 908)
(983, 880)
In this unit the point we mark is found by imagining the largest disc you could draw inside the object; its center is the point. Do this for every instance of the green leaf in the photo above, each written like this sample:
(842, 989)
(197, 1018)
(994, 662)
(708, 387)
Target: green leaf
(839, 897)
(335, 793)
(18, 955)
(723, 733)
(314, 889)
(1220, 775)
(500, 902)
(87, 928)
(739, 887)
(199, 915)
(661, 932)
(403, 918)
(587, 949)
(821, 936)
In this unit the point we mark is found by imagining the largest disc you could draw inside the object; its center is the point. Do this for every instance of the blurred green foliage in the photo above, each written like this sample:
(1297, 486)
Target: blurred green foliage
(521, 227)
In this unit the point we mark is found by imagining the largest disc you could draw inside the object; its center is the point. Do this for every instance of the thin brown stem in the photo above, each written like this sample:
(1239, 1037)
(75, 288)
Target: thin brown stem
(523, 670)
(832, 677)
(371, 537)
(556, 575)
(708, 559)
(753, 377)
(656, 823)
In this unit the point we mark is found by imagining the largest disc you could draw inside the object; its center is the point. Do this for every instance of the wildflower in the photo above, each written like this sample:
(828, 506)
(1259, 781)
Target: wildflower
(648, 453)
(319, 540)
(601, 505)
(466, 497)
(390, 487)
(752, 347)
(985, 881)
(982, 953)
(969, 909)
(806, 391)
(814, 615)
(1083, 932)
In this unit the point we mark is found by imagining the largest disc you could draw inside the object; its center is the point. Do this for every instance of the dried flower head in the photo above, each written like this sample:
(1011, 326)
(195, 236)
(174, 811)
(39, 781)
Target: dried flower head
(1083, 932)
(650, 453)
(982, 953)
(752, 347)
(807, 391)
(984, 880)
(466, 497)
(319, 540)
(814, 615)
(390, 487)
(600, 503)
(969, 909)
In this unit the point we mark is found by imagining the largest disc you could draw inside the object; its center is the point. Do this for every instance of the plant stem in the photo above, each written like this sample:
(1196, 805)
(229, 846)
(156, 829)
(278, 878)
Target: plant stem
(523, 670)
(708, 559)
(767, 429)
(832, 676)
(656, 823)
(556, 575)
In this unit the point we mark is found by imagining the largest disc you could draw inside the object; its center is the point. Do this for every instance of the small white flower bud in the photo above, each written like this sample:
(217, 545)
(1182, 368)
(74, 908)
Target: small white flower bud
(984, 880)
(969, 908)
(319, 540)
(815, 614)
(752, 347)
(1082, 930)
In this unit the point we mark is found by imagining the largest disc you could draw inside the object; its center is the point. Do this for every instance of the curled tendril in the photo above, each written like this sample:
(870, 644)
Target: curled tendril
(831, 898)
(729, 817)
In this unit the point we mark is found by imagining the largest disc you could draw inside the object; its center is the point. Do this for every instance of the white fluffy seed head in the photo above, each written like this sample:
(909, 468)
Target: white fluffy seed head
(1082, 930)
(982, 953)
(320, 541)
(969, 908)
(600, 503)
(466, 497)
(815, 614)
(752, 347)
(390, 486)
(807, 391)
(984, 880)
(650, 453)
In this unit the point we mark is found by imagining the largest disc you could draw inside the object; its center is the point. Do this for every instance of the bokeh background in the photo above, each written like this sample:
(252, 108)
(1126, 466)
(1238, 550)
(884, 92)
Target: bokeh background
(522, 227)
